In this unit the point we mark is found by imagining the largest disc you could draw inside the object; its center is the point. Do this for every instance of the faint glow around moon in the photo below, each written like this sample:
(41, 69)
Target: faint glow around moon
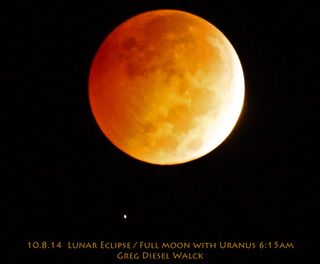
(166, 87)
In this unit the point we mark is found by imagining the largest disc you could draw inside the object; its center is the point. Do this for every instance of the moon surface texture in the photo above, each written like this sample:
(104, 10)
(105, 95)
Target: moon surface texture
(166, 87)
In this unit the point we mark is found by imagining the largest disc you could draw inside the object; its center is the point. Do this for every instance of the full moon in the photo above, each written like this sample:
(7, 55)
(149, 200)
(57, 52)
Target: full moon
(166, 87)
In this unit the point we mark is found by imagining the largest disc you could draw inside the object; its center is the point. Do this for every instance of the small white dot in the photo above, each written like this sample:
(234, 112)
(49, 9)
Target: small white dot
(125, 216)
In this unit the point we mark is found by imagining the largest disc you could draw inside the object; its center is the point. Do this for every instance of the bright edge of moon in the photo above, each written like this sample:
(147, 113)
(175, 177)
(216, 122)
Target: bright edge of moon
(166, 87)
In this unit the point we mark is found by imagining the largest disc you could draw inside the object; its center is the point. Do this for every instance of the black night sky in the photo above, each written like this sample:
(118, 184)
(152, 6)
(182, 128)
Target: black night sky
(62, 180)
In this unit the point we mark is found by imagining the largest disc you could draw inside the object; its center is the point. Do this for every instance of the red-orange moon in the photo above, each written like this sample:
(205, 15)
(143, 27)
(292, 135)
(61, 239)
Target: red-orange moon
(166, 87)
